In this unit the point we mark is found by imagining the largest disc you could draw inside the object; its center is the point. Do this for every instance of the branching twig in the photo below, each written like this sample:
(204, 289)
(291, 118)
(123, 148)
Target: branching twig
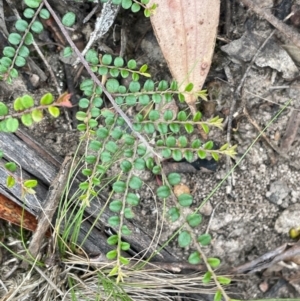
(96, 80)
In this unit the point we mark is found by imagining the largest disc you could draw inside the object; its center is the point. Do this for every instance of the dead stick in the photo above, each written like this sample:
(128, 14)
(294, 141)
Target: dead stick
(292, 34)
(51, 202)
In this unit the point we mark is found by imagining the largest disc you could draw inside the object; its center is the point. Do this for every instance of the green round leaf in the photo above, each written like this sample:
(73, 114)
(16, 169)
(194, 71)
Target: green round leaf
(168, 115)
(163, 191)
(29, 13)
(218, 296)
(44, 14)
(196, 143)
(174, 127)
(126, 165)
(54, 111)
(154, 115)
(208, 145)
(185, 200)
(3, 109)
(188, 155)
(144, 99)
(21, 25)
(112, 85)
(174, 178)
(102, 132)
(149, 85)
(92, 56)
(125, 246)
(12, 124)
(114, 72)
(156, 98)
(132, 199)
(112, 240)
(30, 183)
(182, 116)
(124, 73)
(11, 166)
(102, 70)
(139, 164)
(115, 206)
(224, 280)
(14, 73)
(28, 39)
(163, 85)
(156, 170)
(125, 230)
(111, 254)
(111, 146)
(27, 119)
(204, 239)
(69, 19)
(202, 154)
(114, 221)
(84, 103)
(118, 62)
(10, 181)
(3, 69)
(206, 278)
(135, 182)
(106, 157)
(194, 258)
(174, 214)
(128, 153)
(134, 87)
(131, 64)
(5, 61)
(128, 139)
(68, 51)
(166, 153)
(106, 59)
(135, 7)
(33, 3)
(95, 145)
(194, 219)
(130, 100)
(14, 38)
(205, 128)
(126, 4)
(90, 159)
(119, 186)
(37, 115)
(20, 61)
(177, 155)
(9, 51)
(46, 99)
(182, 141)
(213, 262)
(37, 27)
(128, 213)
(189, 128)
(24, 51)
(184, 239)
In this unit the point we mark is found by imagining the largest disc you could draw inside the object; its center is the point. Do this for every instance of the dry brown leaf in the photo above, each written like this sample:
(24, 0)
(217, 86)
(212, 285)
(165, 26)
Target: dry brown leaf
(186, 32)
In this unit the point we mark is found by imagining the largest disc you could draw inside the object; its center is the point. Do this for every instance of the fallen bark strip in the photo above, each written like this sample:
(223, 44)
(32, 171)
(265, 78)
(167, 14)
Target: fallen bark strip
(52, 200)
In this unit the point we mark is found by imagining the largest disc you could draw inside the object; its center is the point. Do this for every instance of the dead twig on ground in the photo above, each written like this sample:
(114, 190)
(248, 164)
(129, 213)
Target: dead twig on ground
(288, 31)
(52, 200)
